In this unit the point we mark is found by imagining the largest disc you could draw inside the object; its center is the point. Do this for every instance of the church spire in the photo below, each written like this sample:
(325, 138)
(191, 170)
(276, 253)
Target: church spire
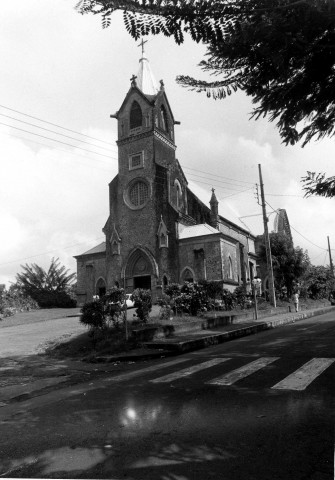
(145, 80)
(214, 210)
(214, 203)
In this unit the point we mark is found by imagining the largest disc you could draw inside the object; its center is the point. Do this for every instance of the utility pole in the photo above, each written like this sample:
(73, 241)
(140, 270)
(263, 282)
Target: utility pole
(272, 293)
(331, 262)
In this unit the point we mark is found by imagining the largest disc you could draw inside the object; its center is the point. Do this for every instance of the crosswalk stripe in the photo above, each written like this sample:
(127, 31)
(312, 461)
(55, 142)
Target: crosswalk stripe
(301, 378)
(189, 370)
(136, 373)
(239, 373)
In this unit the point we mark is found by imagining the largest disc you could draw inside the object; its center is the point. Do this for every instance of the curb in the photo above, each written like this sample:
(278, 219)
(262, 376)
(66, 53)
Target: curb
(207, 340)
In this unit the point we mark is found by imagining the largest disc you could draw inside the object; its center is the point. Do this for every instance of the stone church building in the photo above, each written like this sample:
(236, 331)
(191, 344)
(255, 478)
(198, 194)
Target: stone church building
(158, 232)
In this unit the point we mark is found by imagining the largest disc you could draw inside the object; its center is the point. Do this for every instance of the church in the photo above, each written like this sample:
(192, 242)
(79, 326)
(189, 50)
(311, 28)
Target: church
(158, 232)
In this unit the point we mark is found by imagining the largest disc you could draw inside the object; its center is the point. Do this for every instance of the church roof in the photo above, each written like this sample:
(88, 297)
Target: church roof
(195, 230)
(145, 80)
(101, 248)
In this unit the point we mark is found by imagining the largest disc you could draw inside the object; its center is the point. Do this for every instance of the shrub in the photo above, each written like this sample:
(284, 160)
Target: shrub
(143, 303)
(13, 301)
(104, 312)
(93, 315)
(47, 299)
(173, 290)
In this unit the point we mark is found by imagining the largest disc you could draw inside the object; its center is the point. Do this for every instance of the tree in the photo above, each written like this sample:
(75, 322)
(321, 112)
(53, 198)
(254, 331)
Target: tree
(289, 262)
(280, 52)
(318, 281)
(49, 288)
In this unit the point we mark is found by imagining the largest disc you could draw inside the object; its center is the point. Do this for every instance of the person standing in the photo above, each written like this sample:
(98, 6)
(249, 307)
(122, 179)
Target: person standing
(296, 301)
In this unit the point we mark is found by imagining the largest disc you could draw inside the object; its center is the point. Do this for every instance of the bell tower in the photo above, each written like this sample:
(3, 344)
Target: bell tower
(149, 192)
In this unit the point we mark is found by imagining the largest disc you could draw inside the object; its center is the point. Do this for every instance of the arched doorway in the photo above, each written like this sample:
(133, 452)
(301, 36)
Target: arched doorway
(100, 288)
(187, 275)
(139, 270)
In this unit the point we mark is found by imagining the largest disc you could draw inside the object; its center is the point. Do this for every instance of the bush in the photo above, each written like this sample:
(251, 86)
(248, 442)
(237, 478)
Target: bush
(143, 303)
(13, 301)
(47, 299)
(93, 315)
(104, 312)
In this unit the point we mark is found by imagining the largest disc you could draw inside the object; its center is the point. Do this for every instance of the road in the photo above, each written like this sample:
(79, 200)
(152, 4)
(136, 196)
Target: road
(31, 338)
(261, 407)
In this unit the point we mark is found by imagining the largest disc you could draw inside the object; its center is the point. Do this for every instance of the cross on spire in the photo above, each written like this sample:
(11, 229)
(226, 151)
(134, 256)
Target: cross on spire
(142, 45)
(133, 80)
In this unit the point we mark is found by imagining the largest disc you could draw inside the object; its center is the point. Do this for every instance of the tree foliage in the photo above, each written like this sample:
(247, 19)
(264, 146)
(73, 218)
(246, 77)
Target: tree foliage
(289, 262)
(318, 184)
(280, 52)
(49, 288)
(318, 281)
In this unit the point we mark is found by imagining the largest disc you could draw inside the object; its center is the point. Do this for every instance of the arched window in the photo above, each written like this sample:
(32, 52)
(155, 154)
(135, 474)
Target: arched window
(179, 195)
(230, 268)
(135, 116)
(164, 121)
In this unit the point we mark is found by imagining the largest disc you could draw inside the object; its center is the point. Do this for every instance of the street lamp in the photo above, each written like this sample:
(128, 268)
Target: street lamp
(256, 284)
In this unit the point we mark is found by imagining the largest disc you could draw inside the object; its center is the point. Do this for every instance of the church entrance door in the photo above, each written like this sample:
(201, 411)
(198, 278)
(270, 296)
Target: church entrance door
(143, 281)
(139, 271)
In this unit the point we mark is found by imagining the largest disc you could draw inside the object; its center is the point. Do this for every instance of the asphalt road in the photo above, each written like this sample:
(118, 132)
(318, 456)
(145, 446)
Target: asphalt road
(261, 407)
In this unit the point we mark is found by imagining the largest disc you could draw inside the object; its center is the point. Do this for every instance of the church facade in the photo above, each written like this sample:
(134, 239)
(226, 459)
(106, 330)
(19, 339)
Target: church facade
(158, 231)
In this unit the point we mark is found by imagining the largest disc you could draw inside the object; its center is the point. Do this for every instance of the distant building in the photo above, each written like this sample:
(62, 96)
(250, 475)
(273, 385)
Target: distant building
(281, 225)
(158, 232)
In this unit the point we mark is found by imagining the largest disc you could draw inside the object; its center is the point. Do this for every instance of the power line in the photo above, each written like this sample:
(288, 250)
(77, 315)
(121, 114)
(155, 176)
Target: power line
(220, 181)
(65, 151)
(54, 140)
(282, 195)
(53, 131)
(46, 253)
(213, 184)
(55, 125)
(301, 233)
(220, 176)
(114, 158)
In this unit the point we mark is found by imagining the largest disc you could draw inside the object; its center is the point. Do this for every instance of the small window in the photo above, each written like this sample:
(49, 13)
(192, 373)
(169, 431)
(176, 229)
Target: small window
(139, 194)
(135, 116)
(163, 240)
(136, 161)
(115, 248)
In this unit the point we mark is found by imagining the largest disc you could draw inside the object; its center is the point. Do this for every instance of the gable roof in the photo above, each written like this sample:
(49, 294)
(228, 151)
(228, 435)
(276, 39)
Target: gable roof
(101, 248)
(199, 230)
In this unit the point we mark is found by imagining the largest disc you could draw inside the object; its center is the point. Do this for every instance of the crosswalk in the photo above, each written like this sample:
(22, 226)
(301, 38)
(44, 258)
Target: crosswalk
(297, 380)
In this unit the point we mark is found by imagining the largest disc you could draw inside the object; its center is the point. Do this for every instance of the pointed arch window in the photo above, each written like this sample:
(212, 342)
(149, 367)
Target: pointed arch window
(115, 242)
(164, 120)
(135, 120)
(162, 233)
(230, 268)
(179, 194)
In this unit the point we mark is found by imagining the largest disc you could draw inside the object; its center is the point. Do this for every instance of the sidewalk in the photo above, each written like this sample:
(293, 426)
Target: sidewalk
(197, 336)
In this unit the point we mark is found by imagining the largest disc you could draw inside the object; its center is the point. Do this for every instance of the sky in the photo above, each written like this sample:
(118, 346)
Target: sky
(62, 77)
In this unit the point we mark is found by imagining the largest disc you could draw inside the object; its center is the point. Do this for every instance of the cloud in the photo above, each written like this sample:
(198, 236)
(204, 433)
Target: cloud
(56, 203)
